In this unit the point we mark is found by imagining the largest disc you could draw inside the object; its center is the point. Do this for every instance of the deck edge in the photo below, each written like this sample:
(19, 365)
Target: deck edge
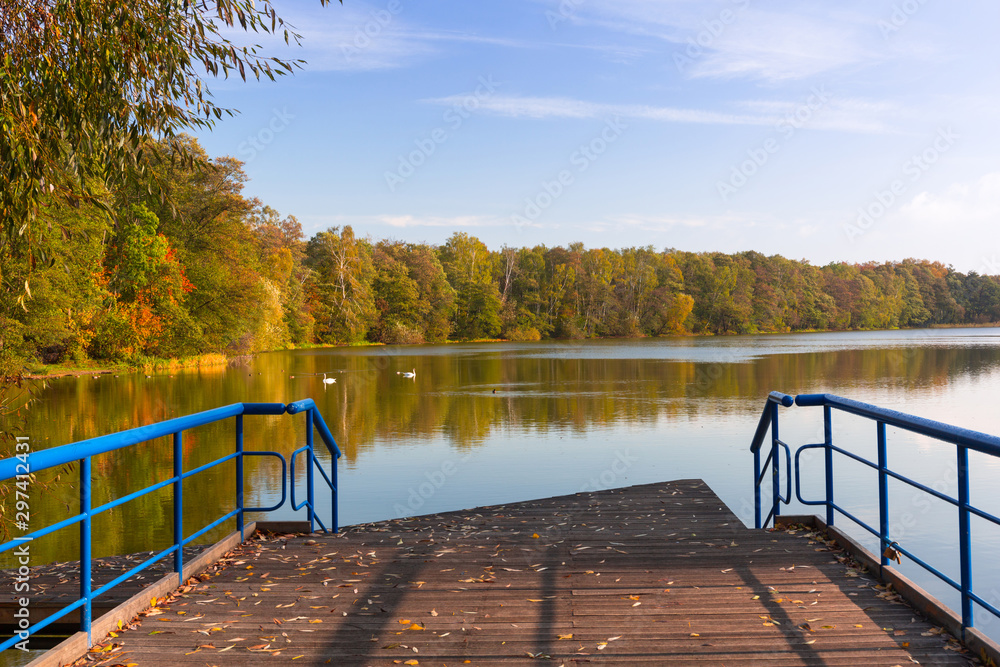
(75, 646)
(296, 527)
(978, 643)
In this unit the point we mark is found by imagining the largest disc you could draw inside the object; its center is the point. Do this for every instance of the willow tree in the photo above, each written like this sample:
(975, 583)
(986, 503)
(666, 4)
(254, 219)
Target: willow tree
(85, 85)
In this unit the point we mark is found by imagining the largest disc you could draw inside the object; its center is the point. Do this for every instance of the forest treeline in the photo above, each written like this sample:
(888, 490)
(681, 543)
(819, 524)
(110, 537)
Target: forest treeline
(208, 270)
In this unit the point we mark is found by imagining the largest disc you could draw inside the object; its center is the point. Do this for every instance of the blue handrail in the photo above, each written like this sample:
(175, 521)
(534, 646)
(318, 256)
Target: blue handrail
(18, 467)
(769, 420)
(963, 440)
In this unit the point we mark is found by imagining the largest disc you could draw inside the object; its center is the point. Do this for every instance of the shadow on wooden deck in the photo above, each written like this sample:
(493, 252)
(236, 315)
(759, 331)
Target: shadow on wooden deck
(657, 574)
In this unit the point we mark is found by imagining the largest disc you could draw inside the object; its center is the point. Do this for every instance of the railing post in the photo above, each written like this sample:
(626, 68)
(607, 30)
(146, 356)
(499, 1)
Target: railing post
(179, 507)
(828, 441)
(336, 490)
(756, 489)
(964, 536)
(883, 495)
(775, 464)
(239, 476)
(310, 462)
(85, 548)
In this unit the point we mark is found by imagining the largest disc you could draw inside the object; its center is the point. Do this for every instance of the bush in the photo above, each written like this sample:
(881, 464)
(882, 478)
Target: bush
(400, 334)
(524, 334)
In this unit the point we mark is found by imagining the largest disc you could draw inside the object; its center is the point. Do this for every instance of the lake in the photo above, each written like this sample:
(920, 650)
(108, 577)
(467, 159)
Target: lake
(486, 423)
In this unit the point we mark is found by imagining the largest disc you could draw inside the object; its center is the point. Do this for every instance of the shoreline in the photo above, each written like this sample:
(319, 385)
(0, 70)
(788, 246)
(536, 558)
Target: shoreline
(220, 359)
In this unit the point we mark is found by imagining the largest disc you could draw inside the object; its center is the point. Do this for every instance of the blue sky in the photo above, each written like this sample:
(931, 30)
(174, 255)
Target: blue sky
(855, 130)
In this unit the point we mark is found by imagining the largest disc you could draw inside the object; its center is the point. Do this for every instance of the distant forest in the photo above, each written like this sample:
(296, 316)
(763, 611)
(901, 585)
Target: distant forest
(208, 270)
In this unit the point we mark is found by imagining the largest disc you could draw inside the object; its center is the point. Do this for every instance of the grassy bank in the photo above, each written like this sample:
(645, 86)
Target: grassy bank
(38, 371)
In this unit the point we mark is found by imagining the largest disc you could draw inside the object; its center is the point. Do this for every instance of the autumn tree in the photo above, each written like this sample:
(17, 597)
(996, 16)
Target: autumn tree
(86, 85)
(469, 267)
(343, 302)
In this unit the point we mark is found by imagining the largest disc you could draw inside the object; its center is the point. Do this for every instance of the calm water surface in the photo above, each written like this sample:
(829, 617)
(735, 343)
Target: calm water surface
(490, 423)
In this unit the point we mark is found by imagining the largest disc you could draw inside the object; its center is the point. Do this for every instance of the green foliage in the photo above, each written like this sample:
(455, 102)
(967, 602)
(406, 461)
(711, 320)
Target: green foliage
(468, 265)
(87, 85)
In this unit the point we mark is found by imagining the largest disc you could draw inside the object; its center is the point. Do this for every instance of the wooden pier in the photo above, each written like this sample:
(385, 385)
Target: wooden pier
(657, 574)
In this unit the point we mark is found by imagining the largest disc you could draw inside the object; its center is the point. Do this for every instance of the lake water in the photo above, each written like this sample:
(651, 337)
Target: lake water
(490, 423)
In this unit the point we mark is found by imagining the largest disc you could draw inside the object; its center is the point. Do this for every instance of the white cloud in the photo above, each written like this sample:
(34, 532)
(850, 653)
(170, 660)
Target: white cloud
(962, 207)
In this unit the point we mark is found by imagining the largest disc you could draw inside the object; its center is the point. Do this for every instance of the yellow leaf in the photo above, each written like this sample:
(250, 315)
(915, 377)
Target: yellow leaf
(695, 634)
(412, 662)
(415, 626)
(404, 621)
(535, 535)
(569, 636)
(119, 624)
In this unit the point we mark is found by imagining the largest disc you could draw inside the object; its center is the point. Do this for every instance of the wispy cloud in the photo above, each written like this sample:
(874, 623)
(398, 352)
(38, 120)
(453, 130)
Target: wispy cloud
(739, 39)
(408, 221)
(843, 115)
(370, 37)
(564, 107)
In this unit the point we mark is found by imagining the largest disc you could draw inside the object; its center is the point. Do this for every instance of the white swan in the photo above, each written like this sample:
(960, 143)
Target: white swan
(411, 374)
(327, 380)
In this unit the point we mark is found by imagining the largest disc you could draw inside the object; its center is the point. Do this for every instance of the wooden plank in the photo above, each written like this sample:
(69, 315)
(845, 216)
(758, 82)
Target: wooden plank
(917, 596)
(654, 574)
(67, 651)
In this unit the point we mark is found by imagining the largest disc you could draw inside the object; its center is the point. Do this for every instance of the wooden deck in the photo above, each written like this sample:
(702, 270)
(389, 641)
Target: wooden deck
(55, 585)
(658, 574)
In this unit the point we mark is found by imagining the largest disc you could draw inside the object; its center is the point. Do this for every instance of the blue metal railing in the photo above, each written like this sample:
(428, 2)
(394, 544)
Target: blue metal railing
(963, 440)
(769, 420)
(83, 451)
